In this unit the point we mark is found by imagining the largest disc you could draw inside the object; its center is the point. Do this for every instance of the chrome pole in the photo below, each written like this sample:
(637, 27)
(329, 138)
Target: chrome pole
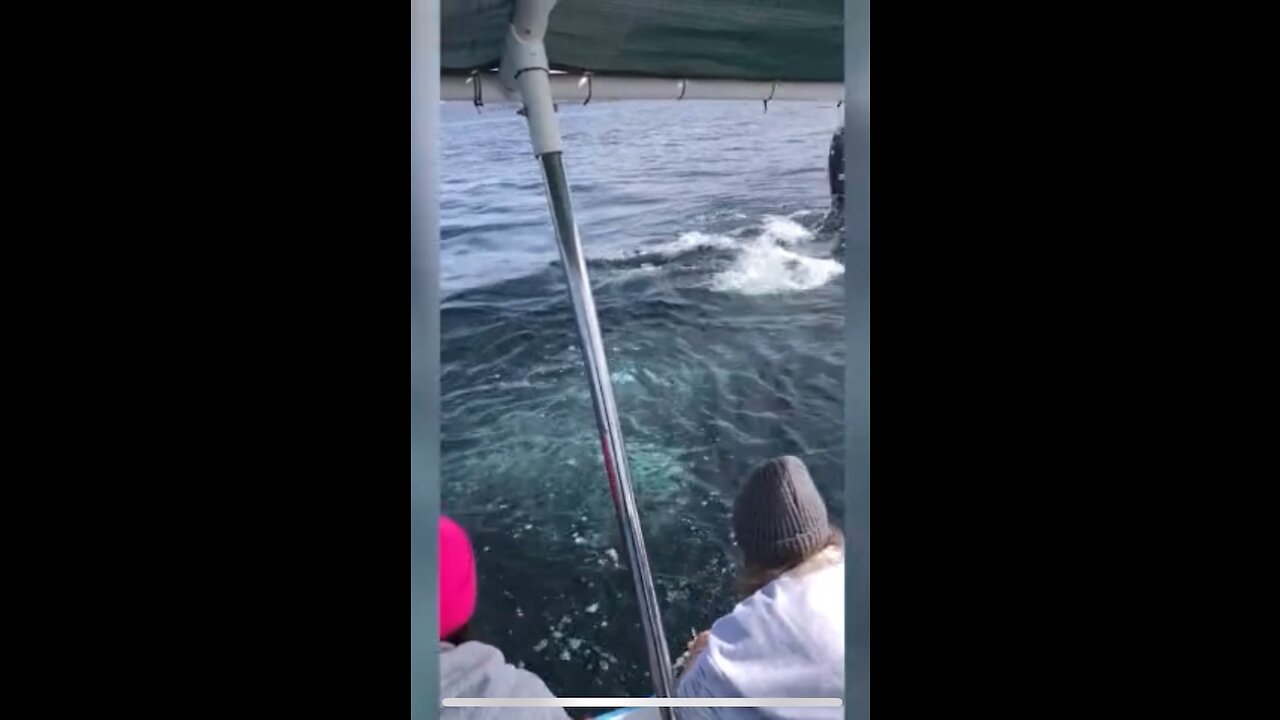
(615, 456)
(526, 70)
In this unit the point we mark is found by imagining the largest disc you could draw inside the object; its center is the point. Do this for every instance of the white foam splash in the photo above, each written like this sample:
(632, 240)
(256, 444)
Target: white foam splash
(766, 260)
(765, 268)
(768, 264)
(690, 241)
(784, 230)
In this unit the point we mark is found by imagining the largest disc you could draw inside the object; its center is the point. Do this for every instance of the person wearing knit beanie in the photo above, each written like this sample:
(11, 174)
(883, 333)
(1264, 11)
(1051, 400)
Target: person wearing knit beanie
(471, 669)
(779, 519)
(786, 636)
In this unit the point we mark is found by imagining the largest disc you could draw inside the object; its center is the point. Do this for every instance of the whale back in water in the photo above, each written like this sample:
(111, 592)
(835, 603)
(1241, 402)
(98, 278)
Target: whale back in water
(835, 170)
(835, 178)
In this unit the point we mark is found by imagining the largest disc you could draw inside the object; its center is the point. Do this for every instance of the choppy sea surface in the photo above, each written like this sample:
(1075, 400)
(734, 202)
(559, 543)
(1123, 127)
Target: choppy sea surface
(720, 295)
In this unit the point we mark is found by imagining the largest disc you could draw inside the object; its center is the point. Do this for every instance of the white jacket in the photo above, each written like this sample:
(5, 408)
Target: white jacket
(786, 640)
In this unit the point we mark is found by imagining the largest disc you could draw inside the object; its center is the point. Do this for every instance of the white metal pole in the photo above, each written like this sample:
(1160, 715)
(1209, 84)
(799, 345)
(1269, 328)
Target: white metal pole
(424, 98)
(525, 69)
(857, 383)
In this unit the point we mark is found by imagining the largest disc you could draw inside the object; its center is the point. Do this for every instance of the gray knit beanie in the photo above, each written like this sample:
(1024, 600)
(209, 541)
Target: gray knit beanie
(779, 517)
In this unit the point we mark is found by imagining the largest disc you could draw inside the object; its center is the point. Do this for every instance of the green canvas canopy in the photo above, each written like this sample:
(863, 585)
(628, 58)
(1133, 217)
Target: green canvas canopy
(783, 40)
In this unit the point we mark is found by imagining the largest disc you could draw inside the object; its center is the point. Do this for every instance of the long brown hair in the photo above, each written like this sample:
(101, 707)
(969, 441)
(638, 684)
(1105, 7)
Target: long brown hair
(754, 577)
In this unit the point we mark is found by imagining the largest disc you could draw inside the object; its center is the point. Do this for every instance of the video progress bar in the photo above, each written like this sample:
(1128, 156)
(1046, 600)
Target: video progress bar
(642, 702)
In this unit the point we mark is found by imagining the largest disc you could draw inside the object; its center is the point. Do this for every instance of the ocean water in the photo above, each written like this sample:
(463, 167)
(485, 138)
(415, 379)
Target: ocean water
(720, 296)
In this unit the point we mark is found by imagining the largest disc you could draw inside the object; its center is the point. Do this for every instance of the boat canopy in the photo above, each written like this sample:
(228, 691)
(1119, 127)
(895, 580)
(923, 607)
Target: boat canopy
(767, 40)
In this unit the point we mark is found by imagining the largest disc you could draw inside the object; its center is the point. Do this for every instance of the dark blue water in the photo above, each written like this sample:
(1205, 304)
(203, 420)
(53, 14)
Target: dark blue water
(721, 300)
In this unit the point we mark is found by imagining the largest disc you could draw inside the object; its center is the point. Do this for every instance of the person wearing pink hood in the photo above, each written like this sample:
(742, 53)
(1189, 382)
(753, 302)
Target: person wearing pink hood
(473, 669)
